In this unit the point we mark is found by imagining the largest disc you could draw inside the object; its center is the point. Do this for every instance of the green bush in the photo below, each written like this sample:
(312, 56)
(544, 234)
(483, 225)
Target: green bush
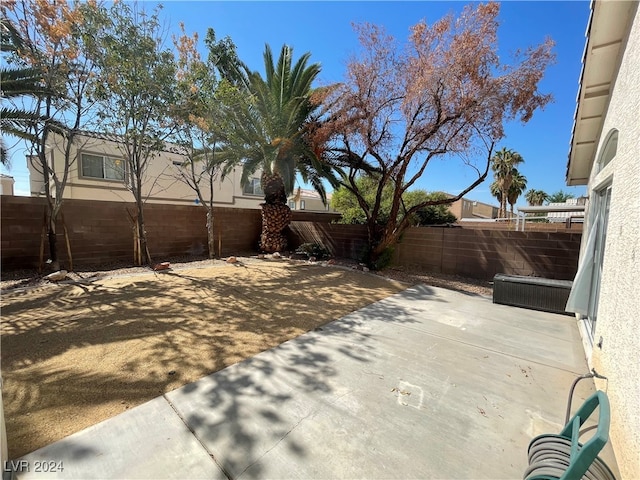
(382, 262)
(313, 250)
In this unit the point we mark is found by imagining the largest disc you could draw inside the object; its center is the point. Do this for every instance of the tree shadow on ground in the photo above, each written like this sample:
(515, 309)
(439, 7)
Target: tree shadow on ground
(245, 411)
(73, 355)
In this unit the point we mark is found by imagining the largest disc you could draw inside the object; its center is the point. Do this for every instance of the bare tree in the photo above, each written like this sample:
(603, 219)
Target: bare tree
(198, 114)
(446, 95)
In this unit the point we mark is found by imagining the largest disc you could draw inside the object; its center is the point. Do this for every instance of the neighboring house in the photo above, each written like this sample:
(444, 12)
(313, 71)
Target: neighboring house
(561, 217)
(605, 156)
(310, 201)
(6, 184)
(99, 172)
(471, 209)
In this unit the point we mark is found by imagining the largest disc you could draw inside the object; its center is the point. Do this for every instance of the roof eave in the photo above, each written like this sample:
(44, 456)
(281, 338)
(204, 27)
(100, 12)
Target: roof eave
(607, 32)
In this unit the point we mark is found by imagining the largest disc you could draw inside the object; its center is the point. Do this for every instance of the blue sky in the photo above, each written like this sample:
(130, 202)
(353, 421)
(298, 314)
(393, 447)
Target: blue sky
(324, 29)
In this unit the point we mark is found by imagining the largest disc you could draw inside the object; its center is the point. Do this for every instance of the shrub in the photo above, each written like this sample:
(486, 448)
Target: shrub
(313, 250)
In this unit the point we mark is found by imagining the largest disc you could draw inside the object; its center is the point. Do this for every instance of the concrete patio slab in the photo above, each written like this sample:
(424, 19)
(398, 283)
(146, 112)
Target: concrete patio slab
(149, 441)
(428, 383)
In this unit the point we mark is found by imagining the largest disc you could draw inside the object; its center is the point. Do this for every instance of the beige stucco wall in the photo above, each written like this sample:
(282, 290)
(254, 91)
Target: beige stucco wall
(6, 185)
(618, 321)
(161, 182)
(310, 204)
(464, 208)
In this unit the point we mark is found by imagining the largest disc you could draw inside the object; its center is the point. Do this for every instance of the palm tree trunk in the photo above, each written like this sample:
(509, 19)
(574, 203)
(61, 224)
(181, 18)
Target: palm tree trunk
(276, 215)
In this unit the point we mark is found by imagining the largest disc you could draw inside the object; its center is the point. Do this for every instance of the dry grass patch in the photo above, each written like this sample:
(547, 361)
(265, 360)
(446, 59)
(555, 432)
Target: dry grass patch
(73, 355)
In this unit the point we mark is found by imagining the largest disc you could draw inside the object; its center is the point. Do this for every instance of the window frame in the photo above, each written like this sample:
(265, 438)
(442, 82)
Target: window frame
(103, 178)
(254, 181)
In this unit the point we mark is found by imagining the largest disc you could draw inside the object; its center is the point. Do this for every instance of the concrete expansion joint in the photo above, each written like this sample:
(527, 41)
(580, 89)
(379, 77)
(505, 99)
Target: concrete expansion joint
(186, 424)
(277, 443)
(312, 413)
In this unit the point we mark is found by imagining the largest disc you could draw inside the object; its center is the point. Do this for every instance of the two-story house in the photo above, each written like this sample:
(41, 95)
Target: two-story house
(99, 172)
(310, 201)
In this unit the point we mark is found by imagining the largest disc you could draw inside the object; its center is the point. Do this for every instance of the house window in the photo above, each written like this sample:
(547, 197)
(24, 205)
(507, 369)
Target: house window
(98, 166)
(301, 204)
(600, 219)
(252, 187)
(292, 204)
(609, 152)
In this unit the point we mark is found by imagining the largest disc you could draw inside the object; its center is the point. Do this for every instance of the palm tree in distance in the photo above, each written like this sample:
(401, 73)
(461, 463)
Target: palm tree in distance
(495, 190)
(518, 185)
(559, 197)
(535, 198)
(503, 163)
(271, 133)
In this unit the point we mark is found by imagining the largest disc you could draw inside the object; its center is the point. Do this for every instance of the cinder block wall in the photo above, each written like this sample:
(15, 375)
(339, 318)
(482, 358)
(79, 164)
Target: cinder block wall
(471, 252)
(102, 232)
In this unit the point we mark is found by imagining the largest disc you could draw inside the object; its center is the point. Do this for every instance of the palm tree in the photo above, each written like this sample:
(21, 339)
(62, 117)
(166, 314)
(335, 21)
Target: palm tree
(518, 184)
(536, 197)
(16, 82)
(559, 197)
(272, 134)
(496, 191)
(502, 164)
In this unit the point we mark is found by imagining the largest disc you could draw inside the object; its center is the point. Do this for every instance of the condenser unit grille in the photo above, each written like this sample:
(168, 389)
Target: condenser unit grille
(531, 292)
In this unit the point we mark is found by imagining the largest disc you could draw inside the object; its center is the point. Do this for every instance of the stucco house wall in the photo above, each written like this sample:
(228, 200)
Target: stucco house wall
(615, 351)
(161, 180)
(465, 208)
(6, 185)
(310, 201)
(618, 322)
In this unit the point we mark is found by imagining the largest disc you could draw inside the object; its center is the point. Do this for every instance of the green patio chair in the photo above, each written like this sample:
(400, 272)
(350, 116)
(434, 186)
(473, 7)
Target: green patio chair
(562, 456)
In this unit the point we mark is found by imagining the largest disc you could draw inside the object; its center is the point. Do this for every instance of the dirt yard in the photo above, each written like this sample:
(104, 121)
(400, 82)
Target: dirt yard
(76, 354)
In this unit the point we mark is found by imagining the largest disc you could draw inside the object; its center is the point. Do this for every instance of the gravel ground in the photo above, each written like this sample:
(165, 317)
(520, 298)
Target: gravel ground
(107, 339)
(30, 278)
(75, 354)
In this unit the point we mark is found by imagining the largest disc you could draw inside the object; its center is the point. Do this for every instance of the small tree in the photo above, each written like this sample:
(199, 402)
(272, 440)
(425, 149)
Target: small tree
(445, 94)
(54, 44)
(136, 93)
(346, 203)
(438, 214)
(199, 118)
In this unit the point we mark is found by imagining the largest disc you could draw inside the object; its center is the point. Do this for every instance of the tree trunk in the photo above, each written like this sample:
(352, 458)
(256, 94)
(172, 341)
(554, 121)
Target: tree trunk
(210, 238)
(379, 241)
(276, 215)
(142, 235)
(53, 244)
